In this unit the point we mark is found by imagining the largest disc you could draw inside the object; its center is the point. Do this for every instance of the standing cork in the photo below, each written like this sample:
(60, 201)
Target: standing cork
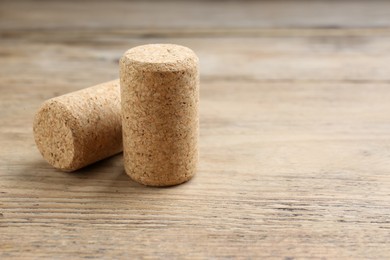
(80, 128)
(160, 96)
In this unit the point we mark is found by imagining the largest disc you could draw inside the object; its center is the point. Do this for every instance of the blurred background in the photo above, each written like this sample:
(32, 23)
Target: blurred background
(80, 42)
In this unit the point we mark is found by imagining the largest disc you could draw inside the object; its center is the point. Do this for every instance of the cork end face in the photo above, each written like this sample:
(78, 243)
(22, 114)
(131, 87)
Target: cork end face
(160, 57)
(53, 135)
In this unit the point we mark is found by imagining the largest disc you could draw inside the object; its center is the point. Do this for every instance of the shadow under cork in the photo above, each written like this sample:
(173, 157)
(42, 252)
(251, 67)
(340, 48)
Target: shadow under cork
(101, 194)
(103, 168)
(106, 176)
(105, 173)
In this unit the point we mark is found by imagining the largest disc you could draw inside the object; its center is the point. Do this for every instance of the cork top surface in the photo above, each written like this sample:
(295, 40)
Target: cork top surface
(160, 57)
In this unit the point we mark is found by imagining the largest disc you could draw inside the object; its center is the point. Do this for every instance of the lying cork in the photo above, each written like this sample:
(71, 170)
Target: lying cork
(80, 128)
(160, 96)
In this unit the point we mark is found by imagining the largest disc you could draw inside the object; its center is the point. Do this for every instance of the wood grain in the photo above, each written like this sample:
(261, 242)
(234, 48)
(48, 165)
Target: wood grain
(194, 14)
(294, 145)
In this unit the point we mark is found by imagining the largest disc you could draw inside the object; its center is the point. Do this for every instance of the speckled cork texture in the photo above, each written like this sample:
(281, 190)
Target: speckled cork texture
(160, 96)
(80, 128)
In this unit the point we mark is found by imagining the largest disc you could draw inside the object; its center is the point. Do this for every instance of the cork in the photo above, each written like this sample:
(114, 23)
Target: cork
(80, 128)
(160, 96)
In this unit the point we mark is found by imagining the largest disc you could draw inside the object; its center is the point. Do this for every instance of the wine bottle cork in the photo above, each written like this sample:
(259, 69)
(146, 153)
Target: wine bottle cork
(160, 96)
(80, 128)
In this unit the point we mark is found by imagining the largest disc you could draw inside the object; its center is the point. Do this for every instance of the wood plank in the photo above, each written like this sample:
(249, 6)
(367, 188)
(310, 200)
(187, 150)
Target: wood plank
(286, 170)
(193, 14)
(326, 57)
(295, 133)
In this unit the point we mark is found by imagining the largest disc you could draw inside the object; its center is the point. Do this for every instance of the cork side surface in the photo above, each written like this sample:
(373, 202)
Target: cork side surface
(79, 128)
(160, 96)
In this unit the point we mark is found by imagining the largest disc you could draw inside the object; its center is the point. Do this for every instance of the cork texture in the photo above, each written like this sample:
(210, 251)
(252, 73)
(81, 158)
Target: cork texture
(80, 128)
(160, 96)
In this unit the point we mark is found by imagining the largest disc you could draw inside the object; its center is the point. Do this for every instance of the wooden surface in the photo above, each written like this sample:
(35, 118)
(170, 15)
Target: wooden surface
(294, 142)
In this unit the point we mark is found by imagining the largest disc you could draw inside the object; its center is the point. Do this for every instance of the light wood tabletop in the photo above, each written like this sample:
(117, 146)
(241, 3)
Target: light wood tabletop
(294, 132)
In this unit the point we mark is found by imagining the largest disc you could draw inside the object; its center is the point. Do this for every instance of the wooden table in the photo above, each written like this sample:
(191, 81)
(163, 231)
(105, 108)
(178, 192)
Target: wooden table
(295, 132)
